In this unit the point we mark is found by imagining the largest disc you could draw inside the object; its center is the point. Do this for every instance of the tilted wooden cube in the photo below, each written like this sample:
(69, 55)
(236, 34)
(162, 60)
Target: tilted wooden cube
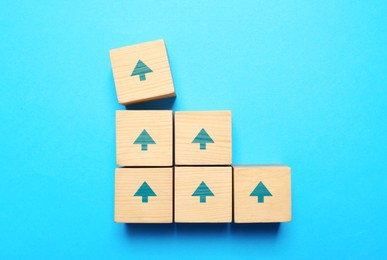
(262, 194)
(203, 138)
(143, 195)
(141, 72)
(203, 194)
(144, 137)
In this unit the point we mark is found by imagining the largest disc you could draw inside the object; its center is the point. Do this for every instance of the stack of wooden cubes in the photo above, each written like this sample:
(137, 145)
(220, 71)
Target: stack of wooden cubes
(177, 166)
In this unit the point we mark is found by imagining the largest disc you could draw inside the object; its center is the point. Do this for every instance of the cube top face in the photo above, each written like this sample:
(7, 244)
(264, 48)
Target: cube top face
(141, 72)
(262, 194)
(143, 195)
(144, 138)
(203, 194)
(203, 138)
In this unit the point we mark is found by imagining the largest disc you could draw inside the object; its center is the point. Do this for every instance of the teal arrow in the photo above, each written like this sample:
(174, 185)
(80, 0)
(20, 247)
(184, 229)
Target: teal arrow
(140, 70)
(203, 138)
(203, 191)
(144, 139)
(144, 191)
(260, 191)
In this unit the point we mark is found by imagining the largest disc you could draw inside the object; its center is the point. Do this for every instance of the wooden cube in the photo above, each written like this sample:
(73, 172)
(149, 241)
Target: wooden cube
(143, 195)
(203, 194)
(141, 72)
(203, 138)
(262, 194)
(144, 138)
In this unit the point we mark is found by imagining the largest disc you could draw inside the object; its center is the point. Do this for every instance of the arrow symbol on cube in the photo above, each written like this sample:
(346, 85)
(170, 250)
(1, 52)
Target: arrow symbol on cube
(203, 191)
(140, 70)
(203, 138)
(144, 139)
(260, 191)
(144, 191)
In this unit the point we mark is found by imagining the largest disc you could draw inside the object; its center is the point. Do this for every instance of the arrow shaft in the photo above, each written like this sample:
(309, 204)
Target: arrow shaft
(261, 199)
(202, 199)
(144, 199)
(144, 147)
(142, 77)
(202, 146)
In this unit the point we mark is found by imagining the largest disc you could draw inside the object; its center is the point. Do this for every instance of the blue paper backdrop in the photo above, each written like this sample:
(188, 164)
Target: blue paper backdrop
(307, 84)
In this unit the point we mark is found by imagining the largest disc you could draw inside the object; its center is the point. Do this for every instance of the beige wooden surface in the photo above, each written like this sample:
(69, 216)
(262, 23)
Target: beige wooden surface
(158, 84)
(130, 124)
(217, 124)
(217, 209)
(275, 208)
(130, 209)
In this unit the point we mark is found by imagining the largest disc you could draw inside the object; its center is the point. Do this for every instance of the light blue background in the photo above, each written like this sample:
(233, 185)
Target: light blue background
(306, 82)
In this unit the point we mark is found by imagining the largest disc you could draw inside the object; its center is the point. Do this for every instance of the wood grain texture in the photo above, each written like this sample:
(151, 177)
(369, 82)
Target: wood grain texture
(217, 208)
(130, 209)
(130, 124)
(275, 208)
(158, 84)
(218, 126)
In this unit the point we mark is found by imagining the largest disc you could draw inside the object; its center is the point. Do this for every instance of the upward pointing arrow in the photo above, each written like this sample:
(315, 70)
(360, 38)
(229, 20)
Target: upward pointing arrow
(203, 138)
(140, 70)
(203, 191)
(260, 191)
(145, 191)
(144, 139)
